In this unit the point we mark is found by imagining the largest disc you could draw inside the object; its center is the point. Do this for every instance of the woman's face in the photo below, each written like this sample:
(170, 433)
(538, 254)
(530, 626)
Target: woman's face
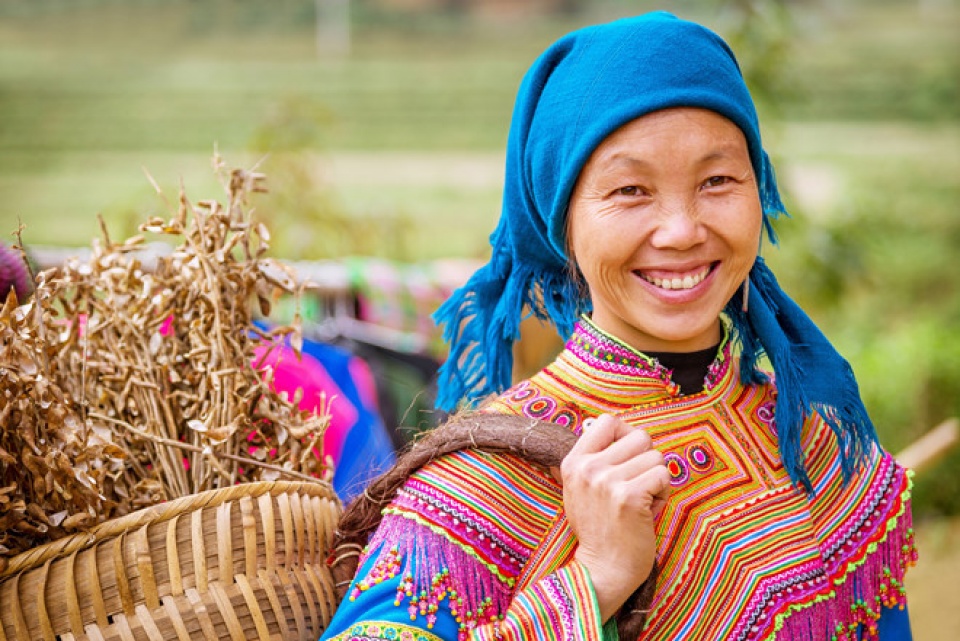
(664, 225)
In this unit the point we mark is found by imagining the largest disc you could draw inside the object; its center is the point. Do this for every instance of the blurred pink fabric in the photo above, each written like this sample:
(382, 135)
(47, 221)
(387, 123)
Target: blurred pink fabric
(308, 373)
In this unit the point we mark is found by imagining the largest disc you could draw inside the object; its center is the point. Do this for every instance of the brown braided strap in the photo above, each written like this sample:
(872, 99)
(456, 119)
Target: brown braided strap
(539, 443)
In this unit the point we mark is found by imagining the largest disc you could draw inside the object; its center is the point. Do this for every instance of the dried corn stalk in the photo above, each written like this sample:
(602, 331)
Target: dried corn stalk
(120, 388)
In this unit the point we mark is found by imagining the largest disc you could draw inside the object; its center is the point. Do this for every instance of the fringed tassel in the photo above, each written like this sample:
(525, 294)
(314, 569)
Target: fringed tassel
(770, 199)
(466, 317)
(811, 376)
(866, 586)
(482, 321)
(751, 351)
(459, 372)
(433, 571)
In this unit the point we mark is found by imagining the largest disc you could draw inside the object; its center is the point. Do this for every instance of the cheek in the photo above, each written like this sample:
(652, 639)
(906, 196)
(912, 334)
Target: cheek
(601, 228)
(740, 226)
(601, 246)
(751, 239)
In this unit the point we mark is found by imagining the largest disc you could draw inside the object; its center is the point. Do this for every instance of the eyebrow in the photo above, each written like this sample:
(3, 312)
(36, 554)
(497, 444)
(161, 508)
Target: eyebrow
(627, 159)
(720, 154)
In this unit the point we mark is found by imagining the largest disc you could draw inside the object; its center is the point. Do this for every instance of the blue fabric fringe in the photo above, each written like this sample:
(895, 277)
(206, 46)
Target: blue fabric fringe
(810, 375)
(482, 322)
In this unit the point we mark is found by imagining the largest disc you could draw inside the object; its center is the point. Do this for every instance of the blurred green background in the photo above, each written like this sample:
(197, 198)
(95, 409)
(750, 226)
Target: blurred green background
(381, 125)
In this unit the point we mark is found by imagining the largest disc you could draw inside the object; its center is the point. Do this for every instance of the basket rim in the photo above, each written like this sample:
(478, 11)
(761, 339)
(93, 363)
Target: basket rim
(158, 513)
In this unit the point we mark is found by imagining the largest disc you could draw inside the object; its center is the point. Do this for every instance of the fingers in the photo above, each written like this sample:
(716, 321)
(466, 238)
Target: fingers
(648, 491)
(593, 470)
(632, 445)
(659, 488)
(621, 427)
(611, 440)
(657, 481)
(610, 454)
(636, 466)
(603, 430)
(606, 443)
(636, 499)
(597, 435)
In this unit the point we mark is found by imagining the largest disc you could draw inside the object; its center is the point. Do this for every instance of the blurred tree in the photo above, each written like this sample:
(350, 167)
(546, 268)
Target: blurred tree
(303, 212)
(763, 33)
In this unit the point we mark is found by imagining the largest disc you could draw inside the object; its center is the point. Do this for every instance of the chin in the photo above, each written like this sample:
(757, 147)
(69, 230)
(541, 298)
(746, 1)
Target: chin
(683, 337)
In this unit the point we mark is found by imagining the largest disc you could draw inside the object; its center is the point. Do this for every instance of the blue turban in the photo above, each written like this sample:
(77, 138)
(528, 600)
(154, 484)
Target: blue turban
(583, 88)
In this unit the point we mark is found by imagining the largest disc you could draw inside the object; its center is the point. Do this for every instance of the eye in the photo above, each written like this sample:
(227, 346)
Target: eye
(630, 191)
(717, 181)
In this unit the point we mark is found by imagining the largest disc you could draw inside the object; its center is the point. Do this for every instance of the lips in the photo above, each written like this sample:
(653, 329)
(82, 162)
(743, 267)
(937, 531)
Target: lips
(667, 280)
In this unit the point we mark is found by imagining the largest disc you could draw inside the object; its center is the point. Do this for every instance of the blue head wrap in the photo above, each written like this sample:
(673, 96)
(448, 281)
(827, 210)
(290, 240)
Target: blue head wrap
(583, 88)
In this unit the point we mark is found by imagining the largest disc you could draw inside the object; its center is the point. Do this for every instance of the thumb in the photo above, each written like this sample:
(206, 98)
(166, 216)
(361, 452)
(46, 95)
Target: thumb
(555, 473)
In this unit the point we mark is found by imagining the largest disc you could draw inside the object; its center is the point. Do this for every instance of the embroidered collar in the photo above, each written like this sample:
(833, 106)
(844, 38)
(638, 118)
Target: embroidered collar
(594, 348)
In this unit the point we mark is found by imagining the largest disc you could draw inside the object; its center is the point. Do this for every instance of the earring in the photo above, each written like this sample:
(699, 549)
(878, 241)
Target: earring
(746, 281)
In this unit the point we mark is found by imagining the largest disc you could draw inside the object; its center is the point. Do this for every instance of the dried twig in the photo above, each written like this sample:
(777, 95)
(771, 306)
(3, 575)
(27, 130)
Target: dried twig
(121, 387)
(209, 452)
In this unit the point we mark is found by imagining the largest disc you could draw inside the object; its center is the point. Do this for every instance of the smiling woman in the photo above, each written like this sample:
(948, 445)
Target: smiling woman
(664, 226)
(704, 498)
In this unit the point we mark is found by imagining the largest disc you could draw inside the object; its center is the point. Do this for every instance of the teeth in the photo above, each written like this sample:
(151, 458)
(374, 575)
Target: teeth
(687, 282)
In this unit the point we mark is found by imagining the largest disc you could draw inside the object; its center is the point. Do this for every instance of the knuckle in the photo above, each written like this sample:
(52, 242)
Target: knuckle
(620, 496)
(662, 476)
(643, 439)
(657, 459)
(607, 421)
(570, 473)
(592, 469)
(646, 440)
(600, 479)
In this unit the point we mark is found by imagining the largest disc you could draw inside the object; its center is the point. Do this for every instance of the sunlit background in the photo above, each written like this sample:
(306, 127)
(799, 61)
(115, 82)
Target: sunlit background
(381, 125)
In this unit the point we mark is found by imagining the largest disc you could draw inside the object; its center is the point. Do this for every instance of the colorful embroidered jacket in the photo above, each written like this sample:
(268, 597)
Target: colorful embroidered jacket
(476, 546)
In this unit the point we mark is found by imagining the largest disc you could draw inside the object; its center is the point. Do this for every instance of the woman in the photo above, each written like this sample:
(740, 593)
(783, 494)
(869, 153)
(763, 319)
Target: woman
(636, 195)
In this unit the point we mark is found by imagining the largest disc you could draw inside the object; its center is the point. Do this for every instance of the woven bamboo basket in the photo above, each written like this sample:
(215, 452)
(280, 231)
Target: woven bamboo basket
(243, 562)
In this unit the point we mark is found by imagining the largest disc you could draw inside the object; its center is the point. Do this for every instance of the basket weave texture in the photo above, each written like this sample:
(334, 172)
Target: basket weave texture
(238, 563)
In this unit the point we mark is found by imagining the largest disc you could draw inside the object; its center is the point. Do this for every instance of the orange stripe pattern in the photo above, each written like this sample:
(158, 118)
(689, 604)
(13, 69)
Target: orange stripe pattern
(743, 554)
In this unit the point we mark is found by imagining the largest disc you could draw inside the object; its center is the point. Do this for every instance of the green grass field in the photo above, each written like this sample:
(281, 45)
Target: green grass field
(90, 95)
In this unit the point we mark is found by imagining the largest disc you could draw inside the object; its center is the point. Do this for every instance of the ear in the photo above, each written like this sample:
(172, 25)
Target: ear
(572, 268)
(576, 277)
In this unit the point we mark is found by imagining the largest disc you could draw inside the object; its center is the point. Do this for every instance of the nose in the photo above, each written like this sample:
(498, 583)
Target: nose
(678, 227)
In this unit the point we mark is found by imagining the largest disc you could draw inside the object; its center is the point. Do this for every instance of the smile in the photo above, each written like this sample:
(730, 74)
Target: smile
(687, 281)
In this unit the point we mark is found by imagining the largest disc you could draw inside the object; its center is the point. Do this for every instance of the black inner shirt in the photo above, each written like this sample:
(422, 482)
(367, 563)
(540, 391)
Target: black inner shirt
(689, 368)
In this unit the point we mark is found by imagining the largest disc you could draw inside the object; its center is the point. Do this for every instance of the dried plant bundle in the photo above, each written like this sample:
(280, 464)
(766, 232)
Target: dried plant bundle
(121, 387)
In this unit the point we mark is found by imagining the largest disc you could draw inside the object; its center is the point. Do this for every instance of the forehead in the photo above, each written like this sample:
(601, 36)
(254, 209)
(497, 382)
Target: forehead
(679, 131)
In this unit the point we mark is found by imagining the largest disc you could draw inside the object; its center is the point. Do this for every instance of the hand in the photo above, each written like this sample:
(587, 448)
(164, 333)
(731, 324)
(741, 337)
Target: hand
(614, 485)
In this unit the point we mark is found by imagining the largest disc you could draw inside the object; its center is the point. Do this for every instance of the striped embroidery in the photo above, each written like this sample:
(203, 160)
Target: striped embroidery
(742, 553)
(559, 606)
(459, 532)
